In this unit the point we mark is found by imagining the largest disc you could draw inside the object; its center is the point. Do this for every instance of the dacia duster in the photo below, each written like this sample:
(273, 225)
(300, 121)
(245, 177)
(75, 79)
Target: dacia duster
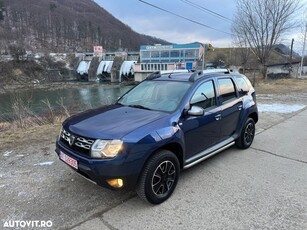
(167, 123)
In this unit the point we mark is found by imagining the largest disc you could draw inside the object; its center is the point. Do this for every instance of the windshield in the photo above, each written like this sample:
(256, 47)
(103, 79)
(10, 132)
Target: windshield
(156, 95)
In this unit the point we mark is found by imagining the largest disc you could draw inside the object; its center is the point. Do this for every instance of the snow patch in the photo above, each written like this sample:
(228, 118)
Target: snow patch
(279, 108)
(22, 172)
(265, 97)
(58, 56)
(22, 193)
(44, 163)
(7, 153)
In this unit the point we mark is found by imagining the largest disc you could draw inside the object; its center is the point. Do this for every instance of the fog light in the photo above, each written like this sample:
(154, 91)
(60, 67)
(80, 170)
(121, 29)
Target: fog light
(116, 183)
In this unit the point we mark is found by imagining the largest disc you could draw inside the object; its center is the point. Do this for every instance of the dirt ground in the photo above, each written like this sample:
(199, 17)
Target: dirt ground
(282, 86)
(35, 185)
(19, 139)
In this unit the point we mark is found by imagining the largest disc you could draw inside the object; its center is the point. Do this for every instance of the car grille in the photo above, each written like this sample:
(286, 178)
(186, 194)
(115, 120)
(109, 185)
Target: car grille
(80, 144)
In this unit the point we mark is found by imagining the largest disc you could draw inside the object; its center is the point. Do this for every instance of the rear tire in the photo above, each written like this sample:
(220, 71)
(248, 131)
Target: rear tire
(159, 177)
(247, 134)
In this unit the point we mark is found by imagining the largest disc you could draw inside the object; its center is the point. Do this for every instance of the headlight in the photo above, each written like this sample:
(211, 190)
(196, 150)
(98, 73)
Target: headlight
(106, 148)
(60, 133)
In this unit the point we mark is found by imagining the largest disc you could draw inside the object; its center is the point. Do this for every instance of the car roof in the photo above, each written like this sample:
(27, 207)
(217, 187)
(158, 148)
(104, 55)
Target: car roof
(188, 76)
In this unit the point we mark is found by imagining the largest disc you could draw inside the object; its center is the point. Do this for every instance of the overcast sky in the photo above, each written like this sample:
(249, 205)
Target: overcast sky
(148, 20)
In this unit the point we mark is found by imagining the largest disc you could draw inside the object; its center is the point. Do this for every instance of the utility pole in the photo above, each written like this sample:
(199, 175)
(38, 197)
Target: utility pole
(290, 60)
(303, 53)
(203, 62)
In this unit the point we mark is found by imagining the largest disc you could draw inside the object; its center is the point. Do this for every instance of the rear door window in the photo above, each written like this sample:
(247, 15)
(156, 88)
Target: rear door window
(242, 85)
(227, 89)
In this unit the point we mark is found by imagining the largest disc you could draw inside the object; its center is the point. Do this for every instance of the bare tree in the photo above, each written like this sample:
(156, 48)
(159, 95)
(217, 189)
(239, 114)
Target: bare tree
(243, 52)
(2, 8)
(261, 23)
(304, 35)
(17, 52)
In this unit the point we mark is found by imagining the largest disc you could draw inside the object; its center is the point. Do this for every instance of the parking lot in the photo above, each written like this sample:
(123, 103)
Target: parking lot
(264, 187)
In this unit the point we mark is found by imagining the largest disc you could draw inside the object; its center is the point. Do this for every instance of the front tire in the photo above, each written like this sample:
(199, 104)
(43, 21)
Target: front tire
(247, 134)
(159, 177)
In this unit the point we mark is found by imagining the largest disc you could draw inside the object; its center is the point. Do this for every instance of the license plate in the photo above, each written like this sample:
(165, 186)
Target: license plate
(68, 160)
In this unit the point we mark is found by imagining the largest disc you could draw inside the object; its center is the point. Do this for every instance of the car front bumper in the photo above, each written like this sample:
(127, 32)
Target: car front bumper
(101, 170)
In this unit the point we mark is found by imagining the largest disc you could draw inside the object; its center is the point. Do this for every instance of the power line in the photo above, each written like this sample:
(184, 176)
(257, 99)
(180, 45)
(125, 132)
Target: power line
(206, 10)
(177, 15)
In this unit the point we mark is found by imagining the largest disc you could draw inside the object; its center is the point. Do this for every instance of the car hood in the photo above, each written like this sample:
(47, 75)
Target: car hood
(111, 122)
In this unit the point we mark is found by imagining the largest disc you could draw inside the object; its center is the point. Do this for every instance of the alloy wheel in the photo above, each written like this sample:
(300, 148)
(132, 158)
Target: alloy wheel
(249, 133)
(163, 178)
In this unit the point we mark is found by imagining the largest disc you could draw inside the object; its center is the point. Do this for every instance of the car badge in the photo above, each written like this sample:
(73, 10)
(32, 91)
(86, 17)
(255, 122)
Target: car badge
(71, 140)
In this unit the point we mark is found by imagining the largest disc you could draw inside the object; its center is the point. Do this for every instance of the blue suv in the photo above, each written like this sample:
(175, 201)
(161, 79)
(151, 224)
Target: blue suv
(167, 123)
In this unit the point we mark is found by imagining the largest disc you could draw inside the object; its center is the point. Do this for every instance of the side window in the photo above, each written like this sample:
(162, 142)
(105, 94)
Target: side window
(227, 89)
(204, 96)
(242, 85)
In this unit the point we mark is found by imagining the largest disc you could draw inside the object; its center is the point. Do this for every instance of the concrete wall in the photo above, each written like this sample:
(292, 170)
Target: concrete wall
(117, 63)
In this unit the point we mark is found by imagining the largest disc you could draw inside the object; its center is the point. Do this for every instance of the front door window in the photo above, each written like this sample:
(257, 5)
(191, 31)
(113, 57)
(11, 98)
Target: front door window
(204, 96)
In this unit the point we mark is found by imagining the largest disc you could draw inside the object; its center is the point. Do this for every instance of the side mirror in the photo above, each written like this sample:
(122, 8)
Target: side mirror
(196, 111)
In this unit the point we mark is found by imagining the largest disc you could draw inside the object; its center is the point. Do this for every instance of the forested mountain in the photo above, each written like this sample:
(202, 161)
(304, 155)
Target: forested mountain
(64, 26)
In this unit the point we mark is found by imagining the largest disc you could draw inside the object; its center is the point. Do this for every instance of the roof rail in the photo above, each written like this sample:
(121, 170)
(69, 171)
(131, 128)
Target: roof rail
(153, 75)
(196, 75)
(201, 73)
(222, 70)
(174, 71)
(158, 74)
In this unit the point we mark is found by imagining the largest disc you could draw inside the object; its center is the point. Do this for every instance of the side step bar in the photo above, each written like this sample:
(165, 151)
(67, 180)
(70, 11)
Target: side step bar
(207, 155)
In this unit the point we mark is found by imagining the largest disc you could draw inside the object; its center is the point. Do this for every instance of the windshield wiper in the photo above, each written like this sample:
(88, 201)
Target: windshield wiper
(139, 107)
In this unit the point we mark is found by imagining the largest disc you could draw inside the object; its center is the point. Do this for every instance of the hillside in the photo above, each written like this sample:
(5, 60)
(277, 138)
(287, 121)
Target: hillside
(64, 26)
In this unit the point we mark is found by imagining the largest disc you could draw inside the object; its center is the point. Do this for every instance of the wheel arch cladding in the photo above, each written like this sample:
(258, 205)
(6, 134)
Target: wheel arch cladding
(176, 149)
(254, 116)
(172, 147)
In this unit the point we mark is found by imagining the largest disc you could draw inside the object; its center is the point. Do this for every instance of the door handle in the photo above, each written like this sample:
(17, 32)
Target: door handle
(240, 107)
(218, 117)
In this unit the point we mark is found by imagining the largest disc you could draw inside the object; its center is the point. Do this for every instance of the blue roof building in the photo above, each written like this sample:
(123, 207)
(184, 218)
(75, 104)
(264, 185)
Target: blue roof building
(174, 53)
(170, 57)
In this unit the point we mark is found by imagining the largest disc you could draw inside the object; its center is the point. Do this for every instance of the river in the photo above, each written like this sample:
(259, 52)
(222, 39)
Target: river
(78, 98)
